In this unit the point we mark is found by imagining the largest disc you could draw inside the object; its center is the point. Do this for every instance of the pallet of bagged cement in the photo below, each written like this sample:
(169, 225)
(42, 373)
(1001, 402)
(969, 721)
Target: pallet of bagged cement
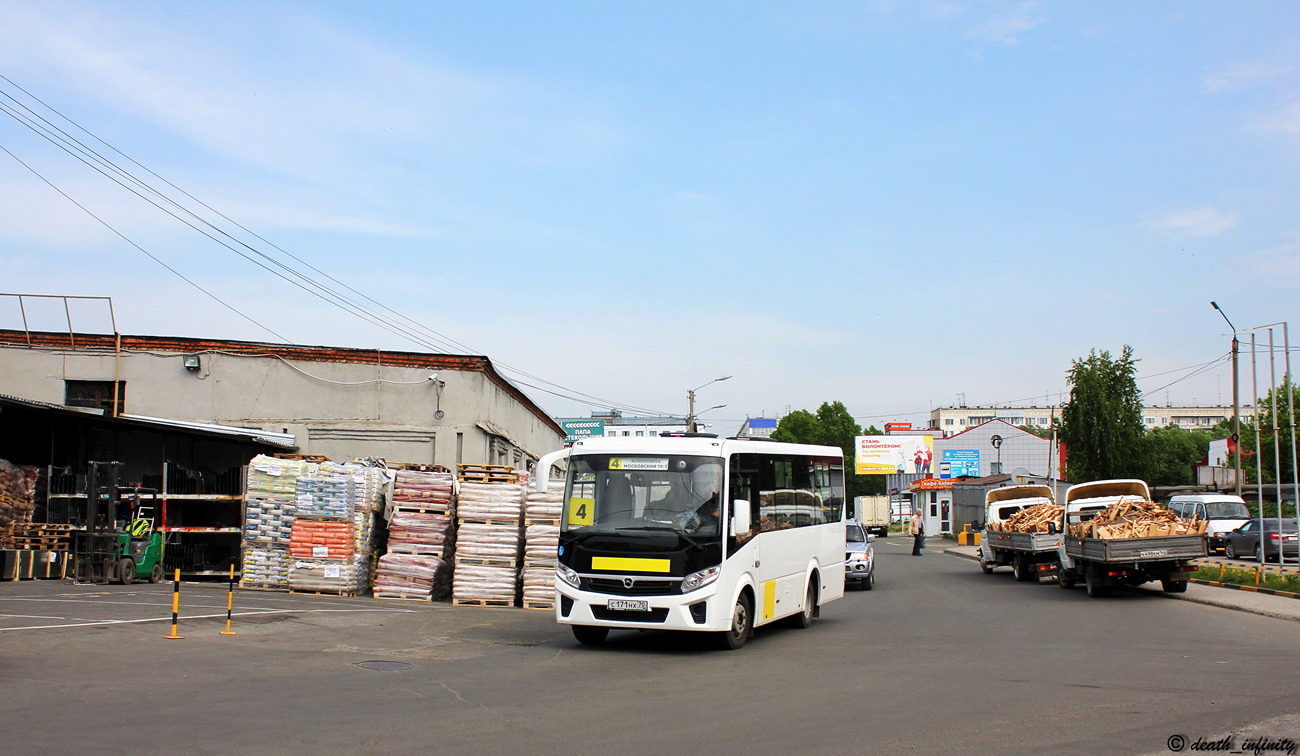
(483, 585)
(484, 502)
(420, 491)
(328, 494)
(265, 566)
(322, 538)
(412, 576)
(544, 508)
(420, 533)
(268, 520)
(17, 497)
(369, 484)
(538, 574)
(493, 543)
(274, 478)
(335, 577)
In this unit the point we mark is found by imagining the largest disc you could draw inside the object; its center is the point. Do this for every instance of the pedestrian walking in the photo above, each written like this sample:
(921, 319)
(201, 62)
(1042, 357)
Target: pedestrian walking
(917, 529)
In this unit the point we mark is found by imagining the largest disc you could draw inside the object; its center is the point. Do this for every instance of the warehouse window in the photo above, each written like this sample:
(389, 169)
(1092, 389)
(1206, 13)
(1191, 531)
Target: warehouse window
(95, 394)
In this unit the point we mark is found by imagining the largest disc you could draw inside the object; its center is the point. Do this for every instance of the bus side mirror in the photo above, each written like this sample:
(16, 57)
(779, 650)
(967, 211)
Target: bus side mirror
(740, 515)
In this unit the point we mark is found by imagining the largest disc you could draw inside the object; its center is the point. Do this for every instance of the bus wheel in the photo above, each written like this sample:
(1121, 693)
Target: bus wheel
(591, 636)
(742, 624)
(804, 619)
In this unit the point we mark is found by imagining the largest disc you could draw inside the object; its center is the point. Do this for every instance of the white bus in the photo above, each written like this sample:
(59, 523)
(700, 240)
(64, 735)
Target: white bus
(693, 532)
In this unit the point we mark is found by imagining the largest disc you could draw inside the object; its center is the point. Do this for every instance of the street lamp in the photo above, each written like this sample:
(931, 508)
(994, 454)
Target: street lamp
(690, 395)
(1236, 403)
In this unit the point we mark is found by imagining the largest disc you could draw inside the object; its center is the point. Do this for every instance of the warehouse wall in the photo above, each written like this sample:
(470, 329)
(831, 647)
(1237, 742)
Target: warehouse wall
(341, 409)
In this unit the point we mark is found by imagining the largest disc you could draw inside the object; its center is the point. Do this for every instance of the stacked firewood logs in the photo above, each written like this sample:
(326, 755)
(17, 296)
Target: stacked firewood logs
(1136, 519)
(1035, 519)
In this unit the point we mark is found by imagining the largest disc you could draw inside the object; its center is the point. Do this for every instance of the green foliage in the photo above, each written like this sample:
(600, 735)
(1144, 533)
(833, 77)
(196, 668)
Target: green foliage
(1270, 428)
(833, 425)
(1037, 430)
(1172, 453)
(1101, 424)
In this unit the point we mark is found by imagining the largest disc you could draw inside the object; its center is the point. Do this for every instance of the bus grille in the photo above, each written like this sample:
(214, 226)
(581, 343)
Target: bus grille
(639, 587)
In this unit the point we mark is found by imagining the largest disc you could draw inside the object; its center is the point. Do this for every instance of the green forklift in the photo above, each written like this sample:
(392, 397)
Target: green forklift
(121, 541)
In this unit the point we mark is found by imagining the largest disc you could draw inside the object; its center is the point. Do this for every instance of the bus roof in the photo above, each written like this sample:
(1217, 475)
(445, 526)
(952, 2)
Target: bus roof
(696, 445)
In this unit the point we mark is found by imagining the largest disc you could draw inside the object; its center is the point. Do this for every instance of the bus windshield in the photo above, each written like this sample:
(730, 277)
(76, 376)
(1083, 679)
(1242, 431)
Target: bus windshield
(1227, 510)
(608, 493)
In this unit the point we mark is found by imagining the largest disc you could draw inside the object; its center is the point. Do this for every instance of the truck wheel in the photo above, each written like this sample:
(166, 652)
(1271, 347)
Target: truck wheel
(1020, 566)
(742, 624)
(590, 636)
(1174, 586)
(986, 568)
(126, 571)
(1094, 583)
(1065, 578)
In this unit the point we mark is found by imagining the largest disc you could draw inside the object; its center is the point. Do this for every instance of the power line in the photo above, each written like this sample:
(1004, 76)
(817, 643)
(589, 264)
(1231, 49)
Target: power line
(422, 335)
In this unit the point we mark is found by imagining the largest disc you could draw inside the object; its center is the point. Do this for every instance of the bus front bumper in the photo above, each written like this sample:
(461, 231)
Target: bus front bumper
(701, 610)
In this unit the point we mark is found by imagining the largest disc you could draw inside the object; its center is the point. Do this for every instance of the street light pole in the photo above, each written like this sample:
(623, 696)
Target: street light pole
(690, 396)
(1236, 403)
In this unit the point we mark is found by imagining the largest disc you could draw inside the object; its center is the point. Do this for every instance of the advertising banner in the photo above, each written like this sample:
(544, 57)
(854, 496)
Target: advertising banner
(885, 455)
(960, 463)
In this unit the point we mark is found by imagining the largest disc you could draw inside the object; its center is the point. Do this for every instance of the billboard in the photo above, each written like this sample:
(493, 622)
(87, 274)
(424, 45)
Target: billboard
(885, 455)
(960, 463)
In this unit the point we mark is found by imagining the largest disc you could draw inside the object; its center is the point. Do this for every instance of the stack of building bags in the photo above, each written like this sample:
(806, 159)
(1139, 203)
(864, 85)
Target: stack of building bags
(420, 537)
(17, 497)
(329, 544)
(269, 504)
(541, 539)
(487, 543)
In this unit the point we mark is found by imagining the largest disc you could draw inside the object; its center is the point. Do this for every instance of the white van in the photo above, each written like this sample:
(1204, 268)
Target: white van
(1223, 513)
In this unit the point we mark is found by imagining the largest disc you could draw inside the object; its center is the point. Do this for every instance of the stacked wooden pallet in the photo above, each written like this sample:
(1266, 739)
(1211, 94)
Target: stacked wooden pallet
(1038, 518)
(487, 544)
(421, 536)
(41, 536)
(1136, 519)
(487, 474)
(542, 513)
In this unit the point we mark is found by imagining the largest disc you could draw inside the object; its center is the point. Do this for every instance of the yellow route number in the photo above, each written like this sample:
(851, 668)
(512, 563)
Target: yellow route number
(581, 510)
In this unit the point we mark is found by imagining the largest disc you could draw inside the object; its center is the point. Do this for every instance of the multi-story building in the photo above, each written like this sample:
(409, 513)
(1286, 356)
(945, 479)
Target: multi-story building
(947, 421)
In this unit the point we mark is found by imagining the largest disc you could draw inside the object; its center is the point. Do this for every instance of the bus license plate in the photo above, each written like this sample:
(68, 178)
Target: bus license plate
(628, 605)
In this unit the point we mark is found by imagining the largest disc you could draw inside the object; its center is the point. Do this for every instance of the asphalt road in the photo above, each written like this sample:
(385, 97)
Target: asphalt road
(939, 658)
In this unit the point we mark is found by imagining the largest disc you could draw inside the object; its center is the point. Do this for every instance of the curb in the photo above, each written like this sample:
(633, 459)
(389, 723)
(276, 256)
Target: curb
(1249, 588)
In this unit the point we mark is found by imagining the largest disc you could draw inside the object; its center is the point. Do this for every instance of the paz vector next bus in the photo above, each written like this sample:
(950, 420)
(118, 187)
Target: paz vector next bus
(697, 533)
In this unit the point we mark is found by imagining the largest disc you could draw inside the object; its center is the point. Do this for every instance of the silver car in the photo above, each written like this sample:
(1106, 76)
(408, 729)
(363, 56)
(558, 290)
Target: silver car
(859, 556)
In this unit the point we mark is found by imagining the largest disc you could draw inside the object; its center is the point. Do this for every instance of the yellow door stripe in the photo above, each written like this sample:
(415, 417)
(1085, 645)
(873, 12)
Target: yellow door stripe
(769, 599)
(630, 564)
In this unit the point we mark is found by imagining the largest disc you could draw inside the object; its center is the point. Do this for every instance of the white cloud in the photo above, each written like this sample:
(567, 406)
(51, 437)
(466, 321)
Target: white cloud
(1245, 76)
(1198, 222)
(1285, 122)
(1007, 27)
(1278, 265)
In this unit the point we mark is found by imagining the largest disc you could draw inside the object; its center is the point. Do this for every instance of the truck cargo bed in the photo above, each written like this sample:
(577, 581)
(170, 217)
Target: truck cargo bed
(1022, 541)
(1159, 548)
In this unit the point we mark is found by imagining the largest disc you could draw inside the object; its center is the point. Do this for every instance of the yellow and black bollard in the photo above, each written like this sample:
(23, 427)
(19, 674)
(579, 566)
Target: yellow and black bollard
(230, 602)
(176, 606)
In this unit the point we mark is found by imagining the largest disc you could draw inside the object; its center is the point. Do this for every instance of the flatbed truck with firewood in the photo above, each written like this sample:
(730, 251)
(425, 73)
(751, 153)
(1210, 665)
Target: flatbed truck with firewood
(1101, 563)
(1031, 556)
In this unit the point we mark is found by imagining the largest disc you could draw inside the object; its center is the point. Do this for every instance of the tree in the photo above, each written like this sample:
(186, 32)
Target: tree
(1172, 454)
(1101, 424)
(1270, 427)
(833, 425)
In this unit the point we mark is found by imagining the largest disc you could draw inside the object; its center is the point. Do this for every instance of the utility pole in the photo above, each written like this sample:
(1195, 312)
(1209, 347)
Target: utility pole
(1236, 404)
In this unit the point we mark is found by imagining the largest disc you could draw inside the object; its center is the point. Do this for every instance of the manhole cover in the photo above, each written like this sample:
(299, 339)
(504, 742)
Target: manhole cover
(385, 666)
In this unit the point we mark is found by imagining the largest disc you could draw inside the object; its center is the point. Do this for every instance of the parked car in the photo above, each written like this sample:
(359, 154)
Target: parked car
(859, 556)
(1222, 514)
(1244, 542)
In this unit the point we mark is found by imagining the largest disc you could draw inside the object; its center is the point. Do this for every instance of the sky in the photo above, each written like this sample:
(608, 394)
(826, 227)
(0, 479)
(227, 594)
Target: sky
(895, 205)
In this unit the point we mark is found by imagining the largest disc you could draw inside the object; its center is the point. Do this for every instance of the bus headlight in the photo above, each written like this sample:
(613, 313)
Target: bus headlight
(698, 580)
(567, 575)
